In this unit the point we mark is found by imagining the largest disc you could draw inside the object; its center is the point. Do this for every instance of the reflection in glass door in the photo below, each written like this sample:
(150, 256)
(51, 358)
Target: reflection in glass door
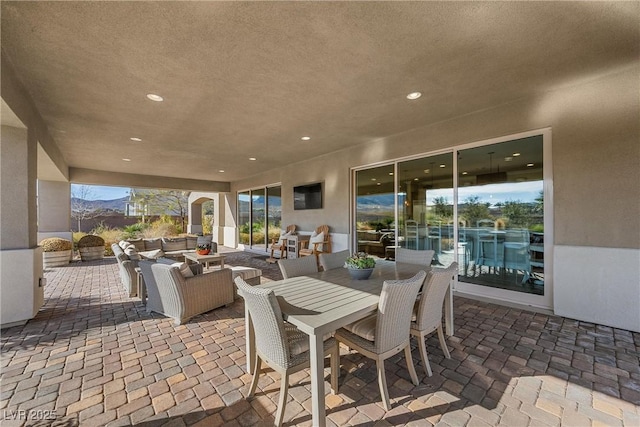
(258, 217)
(375, 210)
(274, 213)
(426, 214)
(501, 215)
(244, 217)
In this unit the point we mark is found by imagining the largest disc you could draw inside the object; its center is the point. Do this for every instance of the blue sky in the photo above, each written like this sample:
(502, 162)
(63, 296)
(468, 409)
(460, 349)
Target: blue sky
(99, 192)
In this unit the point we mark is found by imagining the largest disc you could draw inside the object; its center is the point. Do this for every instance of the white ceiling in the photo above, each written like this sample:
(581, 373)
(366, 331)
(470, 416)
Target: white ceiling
(249, 79)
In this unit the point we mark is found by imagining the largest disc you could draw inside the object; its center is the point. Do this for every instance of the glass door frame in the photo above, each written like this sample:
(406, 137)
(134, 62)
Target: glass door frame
(544, 301)
(264, 188)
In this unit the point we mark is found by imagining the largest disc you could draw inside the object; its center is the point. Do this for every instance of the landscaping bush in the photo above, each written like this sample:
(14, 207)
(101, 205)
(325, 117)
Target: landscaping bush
(90, 241)
(134, 231)
(56, 244)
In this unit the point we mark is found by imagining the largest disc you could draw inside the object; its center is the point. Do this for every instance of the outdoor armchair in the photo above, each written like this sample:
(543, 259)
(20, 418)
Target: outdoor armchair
(280, 243)
(173, 295)
(386, 332)
(428, 311)
(280, 345)
(320, 241)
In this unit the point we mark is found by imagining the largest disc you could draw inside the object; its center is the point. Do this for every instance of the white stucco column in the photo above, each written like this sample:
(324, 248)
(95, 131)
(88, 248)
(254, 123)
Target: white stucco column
(54, 210)
(224, 227)
(195, 217)
(21, 287)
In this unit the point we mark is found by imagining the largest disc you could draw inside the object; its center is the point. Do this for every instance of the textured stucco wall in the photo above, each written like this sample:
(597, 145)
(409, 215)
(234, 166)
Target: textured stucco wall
(595, 149)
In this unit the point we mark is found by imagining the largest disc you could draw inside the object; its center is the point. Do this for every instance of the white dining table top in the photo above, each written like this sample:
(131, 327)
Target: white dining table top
(323, 302)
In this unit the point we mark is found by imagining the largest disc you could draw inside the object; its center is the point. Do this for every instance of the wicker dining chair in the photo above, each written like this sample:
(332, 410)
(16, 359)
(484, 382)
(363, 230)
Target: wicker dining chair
(409, 256)
(428, 311)
(280, 345)
(386, 332)
(333, 260)
(297, 266)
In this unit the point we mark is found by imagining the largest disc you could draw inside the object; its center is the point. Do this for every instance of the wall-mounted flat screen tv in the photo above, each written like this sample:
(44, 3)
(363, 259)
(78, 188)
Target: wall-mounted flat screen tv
(307, 196)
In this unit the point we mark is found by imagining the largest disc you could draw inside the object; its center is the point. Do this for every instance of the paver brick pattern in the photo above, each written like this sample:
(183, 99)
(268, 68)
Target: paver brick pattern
(92, 356)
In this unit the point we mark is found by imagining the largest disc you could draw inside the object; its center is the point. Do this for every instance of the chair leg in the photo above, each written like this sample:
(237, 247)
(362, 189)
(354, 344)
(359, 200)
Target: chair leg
(282, 400)
(335, 368)
(382, 382)
(423, 353)
(412, 370)
(443, 343)
(257, 366)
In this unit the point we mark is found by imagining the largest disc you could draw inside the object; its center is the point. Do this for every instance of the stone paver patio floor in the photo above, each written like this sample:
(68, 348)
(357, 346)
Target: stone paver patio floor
(93, 356)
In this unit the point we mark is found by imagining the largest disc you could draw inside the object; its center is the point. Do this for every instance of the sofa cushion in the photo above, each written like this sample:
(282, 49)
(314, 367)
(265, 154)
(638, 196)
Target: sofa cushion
(138, 243)
(154, 254)
(174, 244)
(152, 244)
(192, 241)
(123, 244)
(132, 252)
(184, 269)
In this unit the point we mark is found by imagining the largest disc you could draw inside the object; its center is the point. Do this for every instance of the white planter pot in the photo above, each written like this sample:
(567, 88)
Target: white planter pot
(56, 259)
(92, 254)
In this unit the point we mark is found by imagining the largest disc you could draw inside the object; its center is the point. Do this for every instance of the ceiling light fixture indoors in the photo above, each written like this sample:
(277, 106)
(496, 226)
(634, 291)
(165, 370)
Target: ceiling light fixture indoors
(305, 138)
(414, 95)
(135, 139)
(252, 158)
(127, 160)
(154, 97)
(221, 171)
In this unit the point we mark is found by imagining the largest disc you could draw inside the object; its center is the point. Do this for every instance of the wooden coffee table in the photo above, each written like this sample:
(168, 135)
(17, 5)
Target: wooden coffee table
(205, 259)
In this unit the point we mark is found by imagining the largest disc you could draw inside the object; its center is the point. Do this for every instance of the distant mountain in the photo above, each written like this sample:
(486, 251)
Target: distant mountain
(116, 205)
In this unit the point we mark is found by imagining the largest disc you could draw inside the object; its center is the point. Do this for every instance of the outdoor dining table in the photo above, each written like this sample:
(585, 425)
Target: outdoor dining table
(323, 302)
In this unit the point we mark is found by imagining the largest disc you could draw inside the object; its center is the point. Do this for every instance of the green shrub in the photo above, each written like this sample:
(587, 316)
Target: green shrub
(134, 230)
(90, 241)
(56, 244)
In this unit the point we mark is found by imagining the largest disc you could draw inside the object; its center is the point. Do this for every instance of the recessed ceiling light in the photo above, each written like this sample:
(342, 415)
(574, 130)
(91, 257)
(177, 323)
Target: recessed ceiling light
(135, 139)
(427, 170)
(465, 172)
(443, 166)
(127, 160)
(305, 138)
(378, 183)
(154, 97)
(529, 165)
(414, 95)
(373, 179)
(252, 158)
(516, 154)
(508, 159)
(391, 173)
(415, 179)
(221, 171)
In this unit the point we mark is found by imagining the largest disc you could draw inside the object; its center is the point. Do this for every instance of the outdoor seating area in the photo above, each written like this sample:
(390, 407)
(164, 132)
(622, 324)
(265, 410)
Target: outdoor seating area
(95, 355)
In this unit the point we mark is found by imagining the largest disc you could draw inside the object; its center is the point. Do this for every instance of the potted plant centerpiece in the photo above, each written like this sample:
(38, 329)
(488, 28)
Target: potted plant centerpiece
(56, 252)
(91, 247)
(360, 265)
(203, 249)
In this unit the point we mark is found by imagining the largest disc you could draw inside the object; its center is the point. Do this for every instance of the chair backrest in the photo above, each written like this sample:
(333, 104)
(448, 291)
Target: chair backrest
(164, 284)
(333, 260)
(267, 322)
(298, 266)
(326, 245)
(429, 314)
(394, 311)
(410, 256)
(485, 223)
(291, 228)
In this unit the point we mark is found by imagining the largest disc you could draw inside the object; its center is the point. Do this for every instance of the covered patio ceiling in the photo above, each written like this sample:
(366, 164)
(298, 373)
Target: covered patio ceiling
(250, 79)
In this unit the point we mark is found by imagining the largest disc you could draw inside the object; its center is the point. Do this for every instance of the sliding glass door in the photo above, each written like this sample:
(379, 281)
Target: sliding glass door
(483, 205)
(259, 216)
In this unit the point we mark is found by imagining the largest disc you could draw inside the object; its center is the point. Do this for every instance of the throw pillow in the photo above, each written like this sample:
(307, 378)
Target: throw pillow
(132, 253)
(184, 269)
(316, 238)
